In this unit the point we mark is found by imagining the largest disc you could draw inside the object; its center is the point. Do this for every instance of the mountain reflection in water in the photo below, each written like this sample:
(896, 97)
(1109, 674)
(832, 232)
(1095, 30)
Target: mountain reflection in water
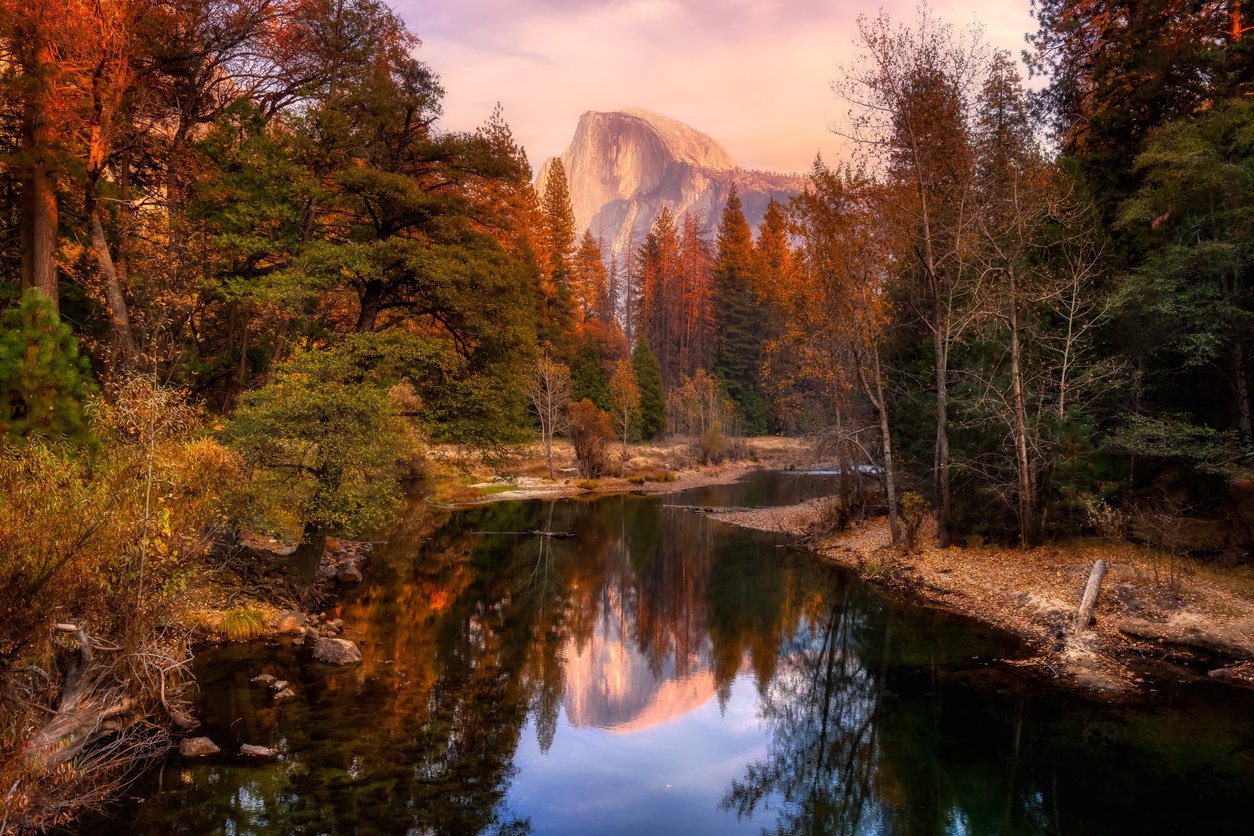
(665, 673)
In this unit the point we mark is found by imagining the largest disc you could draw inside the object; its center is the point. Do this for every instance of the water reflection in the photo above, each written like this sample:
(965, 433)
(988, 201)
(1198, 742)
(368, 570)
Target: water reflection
(660, 672)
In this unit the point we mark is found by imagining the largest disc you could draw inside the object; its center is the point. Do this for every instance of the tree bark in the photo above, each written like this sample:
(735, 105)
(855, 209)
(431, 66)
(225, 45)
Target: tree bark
(371, 297)
(876, 397)
(39, 191)
(121, 338)
(1027, 488)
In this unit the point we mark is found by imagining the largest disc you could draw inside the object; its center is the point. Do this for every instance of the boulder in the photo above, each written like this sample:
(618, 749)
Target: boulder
(278, 684)
(290, 623)
(248, 750)
(265, 680)
(285, 694)
(349, 573)
(198, 747)
(336, 652)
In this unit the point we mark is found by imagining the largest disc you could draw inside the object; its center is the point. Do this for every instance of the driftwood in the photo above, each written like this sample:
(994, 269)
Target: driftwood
(1089, 601)
(82, 715)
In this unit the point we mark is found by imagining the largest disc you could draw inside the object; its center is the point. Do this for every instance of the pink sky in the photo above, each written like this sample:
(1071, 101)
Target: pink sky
(754, 74)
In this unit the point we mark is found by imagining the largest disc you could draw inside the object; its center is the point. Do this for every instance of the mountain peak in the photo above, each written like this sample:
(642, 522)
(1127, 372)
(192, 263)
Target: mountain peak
(622, 166)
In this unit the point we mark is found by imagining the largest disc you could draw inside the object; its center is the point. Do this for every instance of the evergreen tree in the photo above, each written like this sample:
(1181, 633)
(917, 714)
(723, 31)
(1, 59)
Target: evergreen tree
(587, 379)
(652, 397)
(560, 300)
(738, 345)
(588, 280)
(44, 381)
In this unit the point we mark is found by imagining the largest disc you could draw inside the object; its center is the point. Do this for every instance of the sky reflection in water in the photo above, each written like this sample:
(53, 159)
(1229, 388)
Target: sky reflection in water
(664, 673)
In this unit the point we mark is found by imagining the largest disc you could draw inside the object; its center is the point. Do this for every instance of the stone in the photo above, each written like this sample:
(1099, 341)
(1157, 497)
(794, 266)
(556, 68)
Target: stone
(198, 747)
(265, 680)
(337, 624)
(336, 652)
(278, 684)
(285, 694)
(290, 623)
(349, 573)
(248, 750)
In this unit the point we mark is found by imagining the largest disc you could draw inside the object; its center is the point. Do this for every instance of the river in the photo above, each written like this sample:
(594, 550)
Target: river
(661, 672)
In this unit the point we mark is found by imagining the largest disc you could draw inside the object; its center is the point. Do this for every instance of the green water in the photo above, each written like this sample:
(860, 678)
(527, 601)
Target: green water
(664, 673)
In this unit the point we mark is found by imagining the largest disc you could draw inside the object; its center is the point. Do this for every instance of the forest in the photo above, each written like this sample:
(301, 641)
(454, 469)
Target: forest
(248, 280)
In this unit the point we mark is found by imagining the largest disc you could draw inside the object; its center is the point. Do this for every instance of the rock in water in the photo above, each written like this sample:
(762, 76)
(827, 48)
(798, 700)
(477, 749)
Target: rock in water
(198, 747)
(248, 750)
(349, 573)
(336, 652)
(285, 694)
(265, 680)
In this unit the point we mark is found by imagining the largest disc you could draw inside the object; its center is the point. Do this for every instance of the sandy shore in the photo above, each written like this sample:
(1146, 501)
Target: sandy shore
(1145, 629)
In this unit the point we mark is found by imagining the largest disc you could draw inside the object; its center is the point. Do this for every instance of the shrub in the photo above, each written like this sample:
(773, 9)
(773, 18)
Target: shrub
(590, 433)
(913, 510)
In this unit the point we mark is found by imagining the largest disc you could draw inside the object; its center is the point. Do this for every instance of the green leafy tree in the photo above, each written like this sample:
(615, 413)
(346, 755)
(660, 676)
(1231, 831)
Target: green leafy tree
(652, 397)
(326, 440)
(44, 381)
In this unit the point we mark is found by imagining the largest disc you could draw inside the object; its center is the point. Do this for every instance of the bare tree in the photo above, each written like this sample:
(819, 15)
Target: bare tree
(910, 99)
(549, 391)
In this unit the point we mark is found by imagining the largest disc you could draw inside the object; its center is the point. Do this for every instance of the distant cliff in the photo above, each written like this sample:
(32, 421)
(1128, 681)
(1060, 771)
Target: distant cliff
(624, 166)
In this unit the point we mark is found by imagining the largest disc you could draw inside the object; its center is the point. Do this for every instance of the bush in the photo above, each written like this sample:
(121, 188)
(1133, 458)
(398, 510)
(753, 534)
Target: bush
(591, 433)
(913, 509)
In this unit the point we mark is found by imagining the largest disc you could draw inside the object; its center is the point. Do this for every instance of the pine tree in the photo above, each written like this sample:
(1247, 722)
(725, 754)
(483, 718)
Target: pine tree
(587, 379)
(559, 235)
(738, 346)
(44, 381)
(652, 397)
(658, 290)
(588, 280)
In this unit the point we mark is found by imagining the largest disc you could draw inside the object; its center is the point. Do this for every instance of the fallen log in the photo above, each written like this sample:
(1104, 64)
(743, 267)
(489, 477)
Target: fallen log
(82, 714)
(1089, 601)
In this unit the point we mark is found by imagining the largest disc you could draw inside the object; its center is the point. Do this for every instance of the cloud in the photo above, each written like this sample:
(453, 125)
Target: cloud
(754, 74)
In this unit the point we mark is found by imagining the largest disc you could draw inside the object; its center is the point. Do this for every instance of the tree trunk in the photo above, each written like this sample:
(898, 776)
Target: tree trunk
(1243, 396)
(121, 338)
(1026, 489)
(876, 397)
(371, 297)
(39, 191)
(940, 329)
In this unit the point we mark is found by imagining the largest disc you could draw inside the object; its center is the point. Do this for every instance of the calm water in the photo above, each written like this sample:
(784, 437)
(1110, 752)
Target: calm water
(664, 673)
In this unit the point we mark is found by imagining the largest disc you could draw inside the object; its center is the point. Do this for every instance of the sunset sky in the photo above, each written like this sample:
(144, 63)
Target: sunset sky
(754, 74)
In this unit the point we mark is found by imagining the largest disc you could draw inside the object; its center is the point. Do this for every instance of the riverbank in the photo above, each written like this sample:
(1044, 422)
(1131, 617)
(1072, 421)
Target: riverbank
(1157, 617)
(651, 468)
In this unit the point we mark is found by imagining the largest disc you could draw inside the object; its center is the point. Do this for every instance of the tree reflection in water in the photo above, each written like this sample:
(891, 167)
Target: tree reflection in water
(819, 710)
(643, 621)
